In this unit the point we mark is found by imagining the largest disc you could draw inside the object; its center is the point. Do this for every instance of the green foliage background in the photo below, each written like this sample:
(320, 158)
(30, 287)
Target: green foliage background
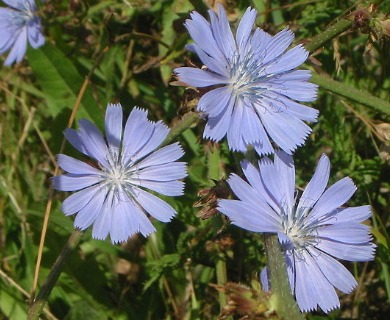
(127, 50)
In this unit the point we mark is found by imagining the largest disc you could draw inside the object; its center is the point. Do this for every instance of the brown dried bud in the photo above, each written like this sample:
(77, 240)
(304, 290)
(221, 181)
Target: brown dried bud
(384, 153)
(209, 199)
(225, 242)
(386, 27)
(381, 25)
(383, 131)
(245, 301)
(361, 20)
(128, 269)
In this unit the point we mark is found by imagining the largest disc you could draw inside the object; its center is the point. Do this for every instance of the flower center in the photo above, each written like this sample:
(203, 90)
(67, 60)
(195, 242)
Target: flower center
(21, 18)
(246, 75)
(296, 236)
(119, 176)
(116, 176)
(294, 227)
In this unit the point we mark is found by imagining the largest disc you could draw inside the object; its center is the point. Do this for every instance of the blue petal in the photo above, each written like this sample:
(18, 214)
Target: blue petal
(163, 172)
(88, 214)
(345, 251)
(316, 187)
(20, 4)
(199, 78)
(214, 102)
(298, 110)
(145, 227)
(255, 180)
(127, 220)
(241, 189)
(264, 278)
(260, 41)
(164, 155)
(334, 197)
(79, 200)
(235, 131)
(156, 207)
(272, 177)
(249, 217)
(346, 232)
(312, 287)
(287, 131)
(69, 183)
(19, 48)
(288, 61)
(35, 37)
(168, 188)
(277, 45)
(354, 214)
(263, 144)
(335, 272)
(244, 29)
(200, 31)
(102, 225)
(114, 125)
(252, 129)
(138, 131)
(216, 127)
(123, 225)
(294, 75)
(213, 64)
(160, 132)
(75, 166)
(284, 165)
(75, 140)
(246, 193)
(252, 174)
(222, 32)
(93, 142)
(297, 90)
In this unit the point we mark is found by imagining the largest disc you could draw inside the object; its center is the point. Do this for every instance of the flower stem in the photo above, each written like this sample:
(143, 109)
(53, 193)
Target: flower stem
(347, 91)
(333, 31)
(181, 125)
(41, 299)
(220, 267)
(329, 34)
(285, 303)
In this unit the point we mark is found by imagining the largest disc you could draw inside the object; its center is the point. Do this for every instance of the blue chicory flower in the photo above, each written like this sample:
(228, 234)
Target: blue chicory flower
(18, 25)
(253, 84)
(313, 231)
(111, 195)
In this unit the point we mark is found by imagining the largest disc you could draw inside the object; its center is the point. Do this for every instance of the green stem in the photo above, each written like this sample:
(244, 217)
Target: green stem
(333, 31)
(221, 280)
(351, 93)
(329, 34)
(362, 97)
(285, 304)
(200, 7)
(41, 299)
(181, 125)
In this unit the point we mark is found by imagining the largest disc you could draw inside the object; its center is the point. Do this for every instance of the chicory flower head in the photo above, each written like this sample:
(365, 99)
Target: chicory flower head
(112, 195)
(253, 83)
(19, 24)
(313, 232)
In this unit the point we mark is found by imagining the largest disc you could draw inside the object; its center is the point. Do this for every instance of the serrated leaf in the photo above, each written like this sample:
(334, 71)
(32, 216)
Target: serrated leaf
(159, 267)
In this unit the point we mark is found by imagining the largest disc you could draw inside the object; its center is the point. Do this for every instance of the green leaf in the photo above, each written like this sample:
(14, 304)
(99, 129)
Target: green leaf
(61, 82)
(160, 267)
(11, 306)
